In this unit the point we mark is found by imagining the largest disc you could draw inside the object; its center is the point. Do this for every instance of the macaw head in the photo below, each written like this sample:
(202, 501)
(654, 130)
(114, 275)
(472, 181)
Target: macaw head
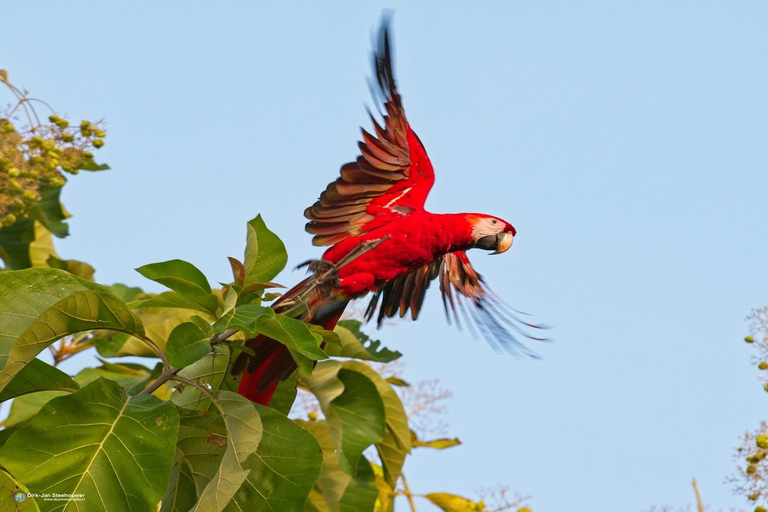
(492, 233)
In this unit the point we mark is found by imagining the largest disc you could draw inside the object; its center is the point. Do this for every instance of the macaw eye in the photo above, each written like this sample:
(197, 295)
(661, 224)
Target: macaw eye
(493, 221)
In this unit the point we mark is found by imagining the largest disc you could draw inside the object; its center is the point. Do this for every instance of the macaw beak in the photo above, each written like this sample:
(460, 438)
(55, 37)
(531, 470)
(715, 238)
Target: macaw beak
(501, 242)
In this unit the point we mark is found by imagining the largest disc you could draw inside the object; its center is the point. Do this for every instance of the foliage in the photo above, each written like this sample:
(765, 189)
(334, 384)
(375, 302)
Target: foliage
(174, 435)
(751, 478)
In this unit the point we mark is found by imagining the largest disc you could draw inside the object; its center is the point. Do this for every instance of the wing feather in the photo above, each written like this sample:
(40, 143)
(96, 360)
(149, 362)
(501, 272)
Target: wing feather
(380, 180)
(464, 294)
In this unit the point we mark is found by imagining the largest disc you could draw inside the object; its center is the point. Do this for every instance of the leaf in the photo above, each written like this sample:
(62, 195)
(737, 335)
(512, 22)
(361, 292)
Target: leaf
(49, 212)
(339, 490)
(126, 293)
(181, 495)
(184, 278)
(187, 344)
(25, 407)
(346, 398)
(453, 503)
(396, 443)
(36, 376)
(244, 431)
(89, 164)
(116, 451)
(398, 382)
(78, 268)
(158, 324)
(356, 344)
(209, 371)
(285, 394)
(294, 334)
(438, 444)
(15, 241)
(265, 254)
(39, 306)
(132, 377)
(170, 300)
(8, 488)
(288, 462)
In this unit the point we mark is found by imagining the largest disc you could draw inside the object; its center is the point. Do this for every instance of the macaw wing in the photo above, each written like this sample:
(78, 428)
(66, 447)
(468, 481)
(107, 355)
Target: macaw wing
(486, 314)
(391, 177)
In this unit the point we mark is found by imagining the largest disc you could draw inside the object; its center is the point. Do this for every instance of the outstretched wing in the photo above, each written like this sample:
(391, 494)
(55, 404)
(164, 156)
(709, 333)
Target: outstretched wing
(391, 177)
(459, 282)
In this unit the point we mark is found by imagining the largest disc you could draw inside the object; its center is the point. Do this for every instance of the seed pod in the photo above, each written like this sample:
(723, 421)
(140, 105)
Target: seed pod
(762, 441)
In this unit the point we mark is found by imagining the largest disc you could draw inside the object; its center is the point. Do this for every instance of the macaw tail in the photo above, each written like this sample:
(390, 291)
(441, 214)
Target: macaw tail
(272, 361)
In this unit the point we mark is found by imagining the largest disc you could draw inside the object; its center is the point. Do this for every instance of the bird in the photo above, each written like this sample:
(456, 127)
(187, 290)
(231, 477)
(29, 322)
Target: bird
(384, 243)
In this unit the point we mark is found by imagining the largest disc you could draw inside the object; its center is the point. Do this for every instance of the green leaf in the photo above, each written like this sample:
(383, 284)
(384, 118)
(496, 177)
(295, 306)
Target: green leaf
(49, 212)
(170, 300)
(117, 452)
(294, 334)
(8, 488)
(39, 306)
(187, 344)
(211, 371)
(356, 344)
(453, 503)
(78, 268)
(288, 462)
(132, 377)
(244, 432)
(15, 241)
(339, 490)
(89, 164)
(345, 397)
(181, 495)
(265, 254)
(126, 293)
(25, 407)
(184, 278)
(158, 324)
(36, 376)
(285, 394)
(396, 443)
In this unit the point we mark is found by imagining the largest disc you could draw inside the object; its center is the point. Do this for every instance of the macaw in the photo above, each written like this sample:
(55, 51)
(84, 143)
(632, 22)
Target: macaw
(382, 241)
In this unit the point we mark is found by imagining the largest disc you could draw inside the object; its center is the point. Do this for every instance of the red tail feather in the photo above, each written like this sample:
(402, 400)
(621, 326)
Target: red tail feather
(273, 362)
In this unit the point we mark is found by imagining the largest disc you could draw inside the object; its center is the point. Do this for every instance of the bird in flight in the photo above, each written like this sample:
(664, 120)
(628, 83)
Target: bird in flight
(383, 242)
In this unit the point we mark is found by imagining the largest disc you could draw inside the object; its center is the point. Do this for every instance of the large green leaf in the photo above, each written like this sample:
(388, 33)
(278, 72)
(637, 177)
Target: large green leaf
(8, 489)
(39, 306)
(184, 278)
(36, 376)
(339, 490)
(356, 344)
(210, 371)
(187, 343)
(397, 439)
(244, 432)
(353, 408)
(116, 452)
(24, 408)
(265, 254)
(288, 462)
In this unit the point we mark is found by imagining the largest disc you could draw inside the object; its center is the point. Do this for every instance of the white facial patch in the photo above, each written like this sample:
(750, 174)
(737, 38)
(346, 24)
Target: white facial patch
(487, 226)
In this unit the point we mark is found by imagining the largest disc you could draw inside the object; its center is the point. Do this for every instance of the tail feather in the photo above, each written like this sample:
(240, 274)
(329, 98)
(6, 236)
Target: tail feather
(272, 361)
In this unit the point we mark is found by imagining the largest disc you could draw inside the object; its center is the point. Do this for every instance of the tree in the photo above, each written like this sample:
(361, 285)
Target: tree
(176, 435)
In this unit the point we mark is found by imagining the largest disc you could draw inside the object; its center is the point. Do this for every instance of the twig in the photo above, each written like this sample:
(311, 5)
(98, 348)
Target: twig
(699, 504)
(407, 492)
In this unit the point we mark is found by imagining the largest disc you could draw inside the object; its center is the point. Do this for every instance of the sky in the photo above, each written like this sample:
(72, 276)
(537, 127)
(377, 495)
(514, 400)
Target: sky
(625, 141)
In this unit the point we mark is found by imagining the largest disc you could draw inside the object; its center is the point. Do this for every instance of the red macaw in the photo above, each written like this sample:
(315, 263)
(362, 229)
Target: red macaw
(384, 242)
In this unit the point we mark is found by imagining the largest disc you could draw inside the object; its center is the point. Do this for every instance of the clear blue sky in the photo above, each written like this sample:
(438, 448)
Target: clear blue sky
(626, 141)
